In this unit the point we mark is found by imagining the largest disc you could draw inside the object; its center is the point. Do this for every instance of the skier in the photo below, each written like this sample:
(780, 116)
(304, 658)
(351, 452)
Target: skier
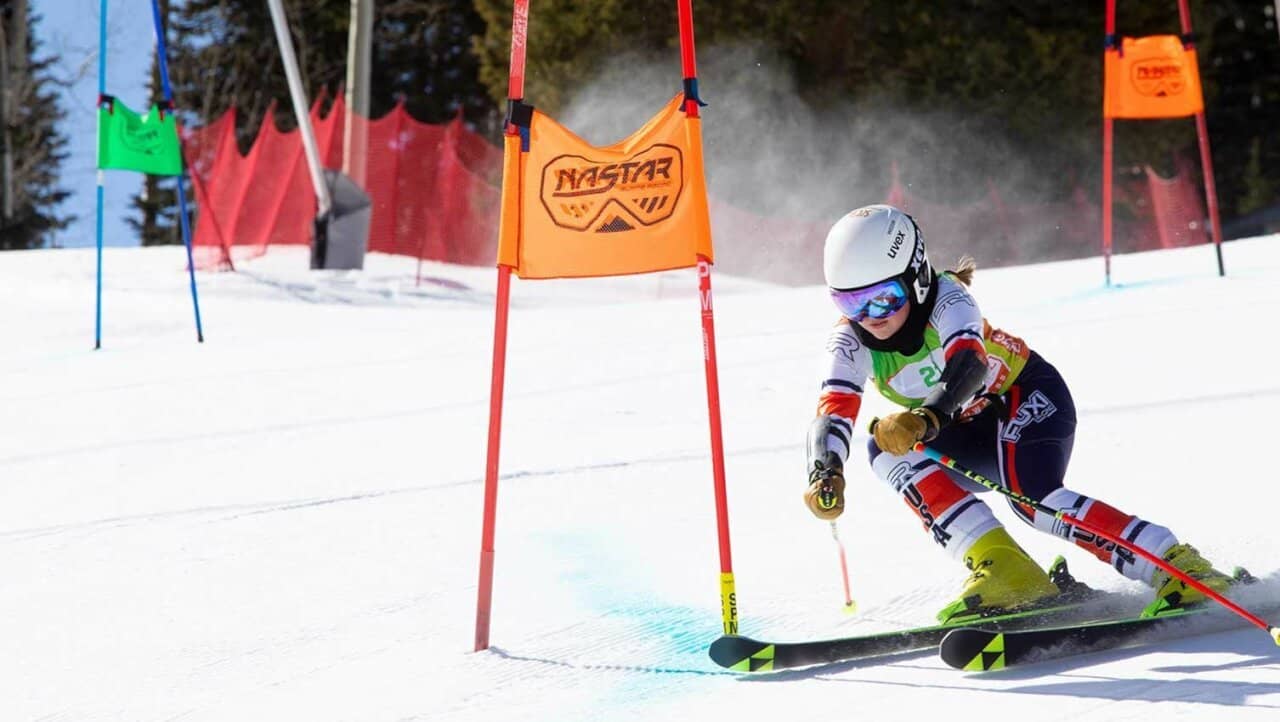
(976, 394)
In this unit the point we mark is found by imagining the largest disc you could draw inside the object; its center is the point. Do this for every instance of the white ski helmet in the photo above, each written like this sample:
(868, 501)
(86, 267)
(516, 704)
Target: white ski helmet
(873, 244)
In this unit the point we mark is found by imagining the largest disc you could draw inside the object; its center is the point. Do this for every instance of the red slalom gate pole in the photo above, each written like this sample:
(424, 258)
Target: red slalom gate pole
(688, 58)
(1108, 137)
(1206, 157)
(484, 594)
(728, 590)
(1108, 127)
(484, 597)
(952, 464)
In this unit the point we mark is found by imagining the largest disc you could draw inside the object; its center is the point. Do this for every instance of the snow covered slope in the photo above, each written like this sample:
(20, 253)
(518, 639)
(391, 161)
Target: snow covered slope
(283, 523)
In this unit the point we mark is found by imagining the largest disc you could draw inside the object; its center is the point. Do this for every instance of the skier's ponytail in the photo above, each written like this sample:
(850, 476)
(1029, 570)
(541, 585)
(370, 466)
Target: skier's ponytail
(964, 270)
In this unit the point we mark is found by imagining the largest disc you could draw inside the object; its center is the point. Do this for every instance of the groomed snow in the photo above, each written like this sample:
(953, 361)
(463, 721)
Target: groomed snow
(283, 523)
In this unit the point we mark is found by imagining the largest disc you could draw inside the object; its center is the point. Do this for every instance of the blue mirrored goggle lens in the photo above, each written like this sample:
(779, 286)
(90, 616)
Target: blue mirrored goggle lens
(879, 301)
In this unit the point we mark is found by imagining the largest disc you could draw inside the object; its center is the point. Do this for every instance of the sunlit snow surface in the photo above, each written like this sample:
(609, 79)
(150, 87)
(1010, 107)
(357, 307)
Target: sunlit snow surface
(284, 522)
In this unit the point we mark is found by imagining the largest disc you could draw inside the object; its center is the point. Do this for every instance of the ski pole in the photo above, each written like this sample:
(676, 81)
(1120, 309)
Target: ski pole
(849, 605)
(951, 463)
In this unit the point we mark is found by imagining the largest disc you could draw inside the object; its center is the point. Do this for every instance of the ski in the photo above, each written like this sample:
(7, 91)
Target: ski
(744, 654)
(982, 650)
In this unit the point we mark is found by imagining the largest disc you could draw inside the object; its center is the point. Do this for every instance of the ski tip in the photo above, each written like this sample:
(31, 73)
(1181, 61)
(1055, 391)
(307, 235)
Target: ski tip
(742, 654)
(973, 650)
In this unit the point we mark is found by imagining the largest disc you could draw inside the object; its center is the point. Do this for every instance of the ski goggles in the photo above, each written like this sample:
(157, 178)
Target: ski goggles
(877, 301)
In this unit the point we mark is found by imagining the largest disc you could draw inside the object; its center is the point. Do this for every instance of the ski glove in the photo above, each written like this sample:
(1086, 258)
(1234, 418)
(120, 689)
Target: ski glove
(825, 495)
(897, 433)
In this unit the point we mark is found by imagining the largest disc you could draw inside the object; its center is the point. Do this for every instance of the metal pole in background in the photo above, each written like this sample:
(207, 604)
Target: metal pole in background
(359, 54)
(300, 106)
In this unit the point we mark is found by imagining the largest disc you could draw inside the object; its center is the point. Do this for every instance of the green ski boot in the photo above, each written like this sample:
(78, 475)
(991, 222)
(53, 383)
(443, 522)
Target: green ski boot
(1004, 578)
(1172, 593)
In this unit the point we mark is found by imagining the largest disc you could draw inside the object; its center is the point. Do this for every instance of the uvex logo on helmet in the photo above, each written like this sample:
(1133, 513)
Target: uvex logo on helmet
(897, 244)
(576, 191)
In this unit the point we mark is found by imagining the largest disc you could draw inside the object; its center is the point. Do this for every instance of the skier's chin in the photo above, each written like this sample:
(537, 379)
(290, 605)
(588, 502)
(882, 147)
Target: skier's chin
(879, 329)
(882, 329)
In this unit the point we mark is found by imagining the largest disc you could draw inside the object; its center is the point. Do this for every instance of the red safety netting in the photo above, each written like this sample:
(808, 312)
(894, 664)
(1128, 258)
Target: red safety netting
(1177, 206)
(433, 187)
(436, 193)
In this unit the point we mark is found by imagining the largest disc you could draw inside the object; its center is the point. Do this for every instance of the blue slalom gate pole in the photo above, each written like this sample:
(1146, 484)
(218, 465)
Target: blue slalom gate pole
(102, 90)
(97, 324)
(161, 53)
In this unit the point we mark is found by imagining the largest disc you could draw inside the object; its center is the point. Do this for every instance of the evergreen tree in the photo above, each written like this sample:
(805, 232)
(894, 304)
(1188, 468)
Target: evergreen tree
(31, 148)
(1028, 72)
(227, 56)
(567, 41)
(1239, 60)
(1025, 72)
(422, 53)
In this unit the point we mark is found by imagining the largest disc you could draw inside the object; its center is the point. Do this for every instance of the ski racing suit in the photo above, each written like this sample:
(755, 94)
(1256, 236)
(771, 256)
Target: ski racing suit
(1017, 430)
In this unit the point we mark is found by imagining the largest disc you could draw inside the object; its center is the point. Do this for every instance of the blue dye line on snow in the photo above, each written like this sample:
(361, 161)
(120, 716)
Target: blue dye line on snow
(676, 637)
